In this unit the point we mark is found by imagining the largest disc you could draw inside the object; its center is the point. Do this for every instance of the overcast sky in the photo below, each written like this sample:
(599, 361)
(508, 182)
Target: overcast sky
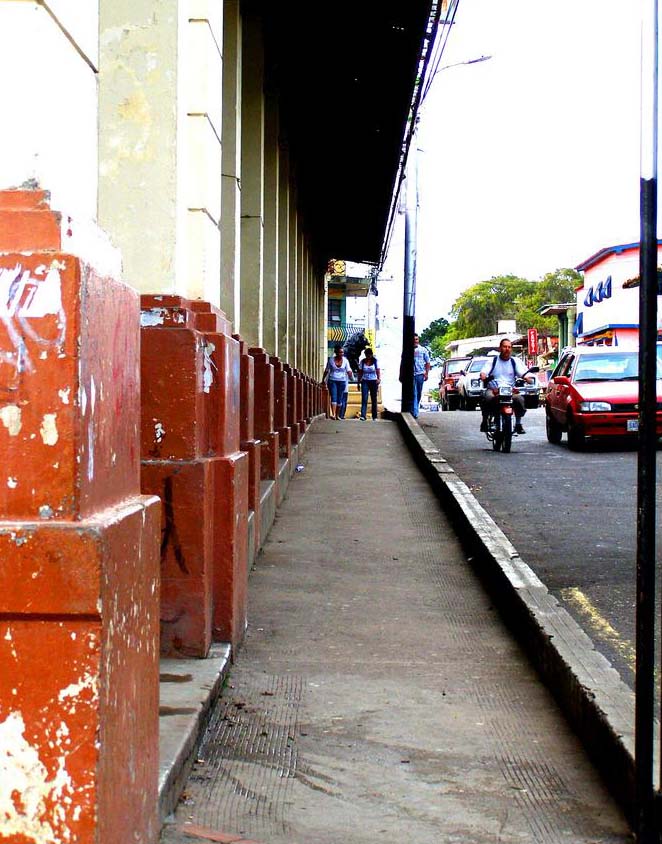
(528, 162)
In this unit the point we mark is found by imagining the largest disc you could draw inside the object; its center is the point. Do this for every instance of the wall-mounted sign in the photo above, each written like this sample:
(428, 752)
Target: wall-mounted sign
(335, 267)
(598, 292)
(532, 341)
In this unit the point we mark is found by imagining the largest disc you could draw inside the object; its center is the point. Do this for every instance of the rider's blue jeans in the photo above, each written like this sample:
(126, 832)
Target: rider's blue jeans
(418, 391)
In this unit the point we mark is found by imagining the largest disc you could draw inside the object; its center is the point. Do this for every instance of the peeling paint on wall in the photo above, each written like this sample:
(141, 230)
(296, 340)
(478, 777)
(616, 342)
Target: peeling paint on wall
(25, 297)
(10, 415)
(48, 429)
(208, 366)
(25, 787)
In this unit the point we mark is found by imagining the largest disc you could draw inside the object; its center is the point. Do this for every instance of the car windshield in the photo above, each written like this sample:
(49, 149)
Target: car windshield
(616, 366)
(455, 366)
(477, 364)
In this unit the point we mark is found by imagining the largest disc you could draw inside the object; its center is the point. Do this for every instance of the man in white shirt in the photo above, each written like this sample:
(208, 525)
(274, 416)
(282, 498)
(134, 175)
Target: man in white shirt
(503, 370)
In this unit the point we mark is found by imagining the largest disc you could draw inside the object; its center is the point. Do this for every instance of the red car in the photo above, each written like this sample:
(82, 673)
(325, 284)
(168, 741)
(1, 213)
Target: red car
(449, 395)
(594, 392)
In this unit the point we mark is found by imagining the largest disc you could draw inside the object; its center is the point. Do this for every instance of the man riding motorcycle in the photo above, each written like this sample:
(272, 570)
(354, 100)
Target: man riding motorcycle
(503, 371)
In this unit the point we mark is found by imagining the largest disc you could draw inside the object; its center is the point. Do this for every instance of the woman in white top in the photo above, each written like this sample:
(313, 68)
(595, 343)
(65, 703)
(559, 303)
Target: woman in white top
(369, 378)
(337, 373)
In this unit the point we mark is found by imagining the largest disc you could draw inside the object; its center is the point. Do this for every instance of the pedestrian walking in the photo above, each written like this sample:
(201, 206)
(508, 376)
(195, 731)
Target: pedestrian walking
(421, 372)
(369, 378)
(337, 375)
(342, 407)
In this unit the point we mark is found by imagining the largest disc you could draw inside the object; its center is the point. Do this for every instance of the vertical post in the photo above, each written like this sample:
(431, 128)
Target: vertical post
(646, 468)
(409, 301)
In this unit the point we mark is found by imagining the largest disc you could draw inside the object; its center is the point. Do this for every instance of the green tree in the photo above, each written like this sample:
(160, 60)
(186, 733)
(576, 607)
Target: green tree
(476, 312)
(437, 328)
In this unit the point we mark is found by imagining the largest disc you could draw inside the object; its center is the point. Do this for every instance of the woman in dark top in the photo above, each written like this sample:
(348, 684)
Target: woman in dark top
(369, 378)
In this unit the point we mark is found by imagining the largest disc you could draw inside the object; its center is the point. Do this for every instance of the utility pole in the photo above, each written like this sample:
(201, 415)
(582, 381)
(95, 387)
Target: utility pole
(646, 821)
(409, 302)
(411, 223)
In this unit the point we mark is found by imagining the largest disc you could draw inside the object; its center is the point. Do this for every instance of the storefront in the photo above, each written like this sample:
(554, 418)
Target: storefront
(608, 301)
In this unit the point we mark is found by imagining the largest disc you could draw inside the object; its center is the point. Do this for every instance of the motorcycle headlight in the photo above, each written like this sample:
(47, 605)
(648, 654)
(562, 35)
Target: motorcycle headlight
(594, 406)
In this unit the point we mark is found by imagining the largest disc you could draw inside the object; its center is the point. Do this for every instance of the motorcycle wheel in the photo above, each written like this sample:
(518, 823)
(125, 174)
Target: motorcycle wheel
(507, 433)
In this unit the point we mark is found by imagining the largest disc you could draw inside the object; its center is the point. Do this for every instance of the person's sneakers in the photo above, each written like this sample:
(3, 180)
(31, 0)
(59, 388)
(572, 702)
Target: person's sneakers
(519, 429)
(483, 426)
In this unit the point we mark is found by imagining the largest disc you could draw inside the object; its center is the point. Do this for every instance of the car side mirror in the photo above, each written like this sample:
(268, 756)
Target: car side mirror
(534, 369)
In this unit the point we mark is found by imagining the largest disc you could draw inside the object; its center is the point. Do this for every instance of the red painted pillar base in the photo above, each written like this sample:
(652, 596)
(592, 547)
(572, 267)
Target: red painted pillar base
(264, 414)
(249, 443)
(280, 409)
(231, 541)
(301, 407)
(292, 404)
(79, 572)
(192, 460)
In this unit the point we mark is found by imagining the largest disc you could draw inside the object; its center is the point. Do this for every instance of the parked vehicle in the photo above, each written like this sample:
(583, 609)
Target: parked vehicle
(469, 385)
(500, 422)
(449, 398)
(594, 392)
(531, 393)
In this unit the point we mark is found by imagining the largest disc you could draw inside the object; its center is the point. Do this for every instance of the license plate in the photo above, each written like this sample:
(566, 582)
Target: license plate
(633, 425)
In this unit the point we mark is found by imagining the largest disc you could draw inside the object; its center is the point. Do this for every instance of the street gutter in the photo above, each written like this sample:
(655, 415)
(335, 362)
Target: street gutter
(594, 699)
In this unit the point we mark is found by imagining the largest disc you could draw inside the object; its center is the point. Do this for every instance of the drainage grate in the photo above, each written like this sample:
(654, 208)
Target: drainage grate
(247, 759)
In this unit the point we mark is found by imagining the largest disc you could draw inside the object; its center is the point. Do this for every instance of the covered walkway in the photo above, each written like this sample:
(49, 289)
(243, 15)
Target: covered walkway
(378, 695)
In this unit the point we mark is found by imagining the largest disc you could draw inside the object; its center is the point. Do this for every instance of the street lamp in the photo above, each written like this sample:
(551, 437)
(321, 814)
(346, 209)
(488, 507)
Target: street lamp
(411, 248)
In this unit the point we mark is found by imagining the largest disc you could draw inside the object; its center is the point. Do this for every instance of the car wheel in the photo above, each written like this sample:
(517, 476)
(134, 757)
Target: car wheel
(471, 404)
(576, 439)
(531, 402)
(554, 431)
(452, 404)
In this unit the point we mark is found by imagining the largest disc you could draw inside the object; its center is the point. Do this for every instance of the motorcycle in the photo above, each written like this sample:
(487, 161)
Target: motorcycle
(500, 421)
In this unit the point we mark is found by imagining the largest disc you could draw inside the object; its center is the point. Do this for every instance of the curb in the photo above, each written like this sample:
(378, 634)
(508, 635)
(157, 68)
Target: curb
(594, 699)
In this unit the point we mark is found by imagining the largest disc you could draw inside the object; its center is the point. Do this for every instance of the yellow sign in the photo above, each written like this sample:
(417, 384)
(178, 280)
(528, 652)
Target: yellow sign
(335, 267)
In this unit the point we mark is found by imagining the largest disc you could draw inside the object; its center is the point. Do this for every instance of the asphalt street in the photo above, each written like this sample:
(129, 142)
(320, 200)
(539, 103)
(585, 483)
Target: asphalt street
(571, 515)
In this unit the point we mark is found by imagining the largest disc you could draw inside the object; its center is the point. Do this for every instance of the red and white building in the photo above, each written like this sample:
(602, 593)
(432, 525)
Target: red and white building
(608, 301)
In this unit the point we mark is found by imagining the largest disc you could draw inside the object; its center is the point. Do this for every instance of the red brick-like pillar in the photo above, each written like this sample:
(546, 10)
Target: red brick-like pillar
(79, 572)
(249, 443)
(280, 408)
(192, 459)
(292, 402)
(264, 414)
(301, 399)
(231, 481)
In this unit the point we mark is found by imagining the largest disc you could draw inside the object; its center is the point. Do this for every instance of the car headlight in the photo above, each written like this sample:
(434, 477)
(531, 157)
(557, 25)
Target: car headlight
(594, 406)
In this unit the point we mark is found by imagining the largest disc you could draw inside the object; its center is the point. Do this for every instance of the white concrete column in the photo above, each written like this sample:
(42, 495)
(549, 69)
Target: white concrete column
(301, 269)
(231, 163)
(324, 317)
(307, 321)
(252, 181)
(200, 123)
(160, 141)
(138, 138)
(271, 291)
(49, 60)
(292, 279)
(283, 254)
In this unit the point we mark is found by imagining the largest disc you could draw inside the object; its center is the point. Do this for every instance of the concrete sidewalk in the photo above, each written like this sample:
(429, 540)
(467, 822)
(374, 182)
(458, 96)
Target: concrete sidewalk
(378, 696)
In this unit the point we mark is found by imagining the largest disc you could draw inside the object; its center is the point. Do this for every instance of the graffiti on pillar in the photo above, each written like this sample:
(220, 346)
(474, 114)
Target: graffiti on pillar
(169, 536)
(31, 315)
